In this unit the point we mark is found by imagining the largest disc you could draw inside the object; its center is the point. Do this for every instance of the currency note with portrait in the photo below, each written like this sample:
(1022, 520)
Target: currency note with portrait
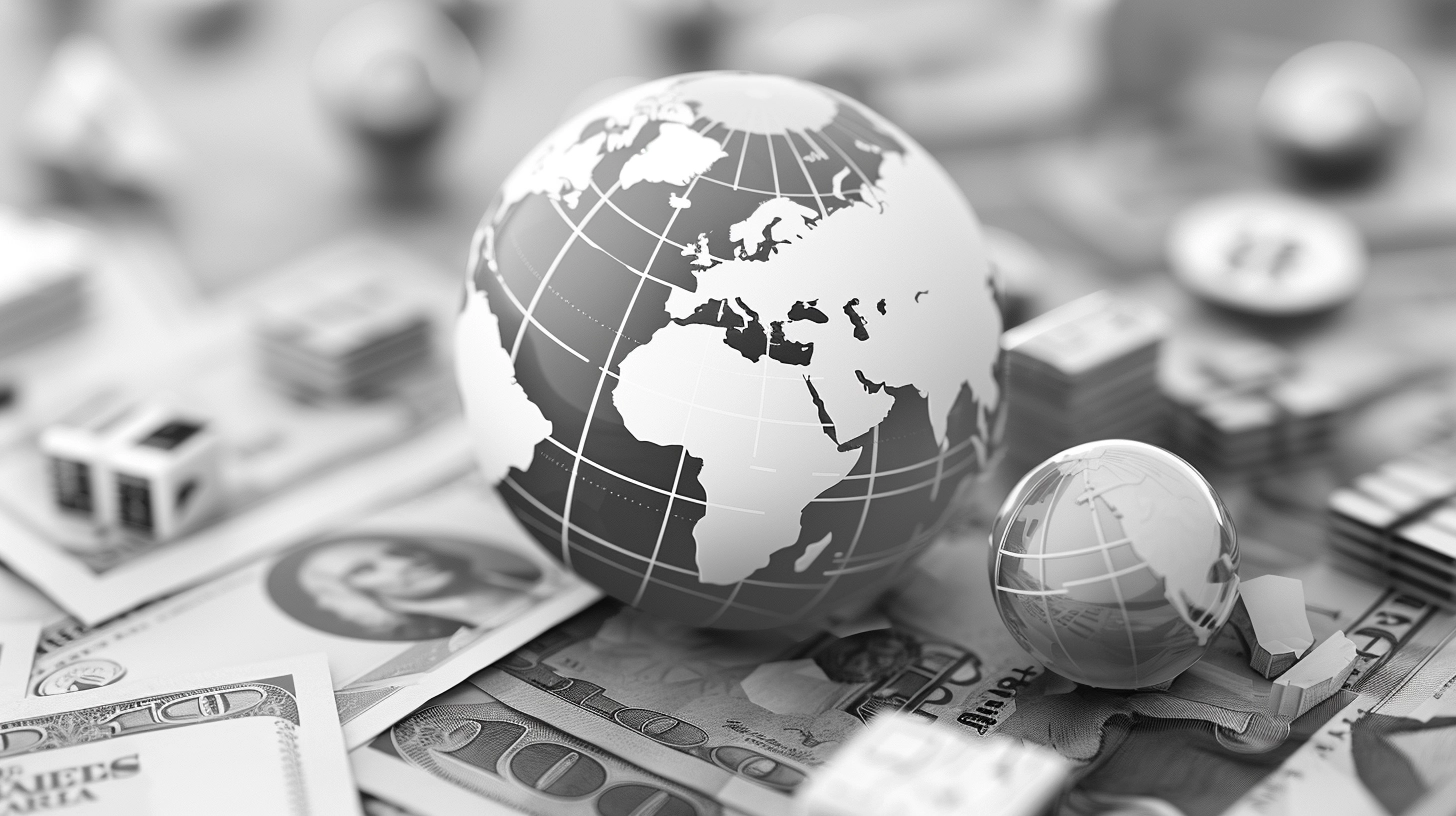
(254, 739)
(406, 603)
(287, 466)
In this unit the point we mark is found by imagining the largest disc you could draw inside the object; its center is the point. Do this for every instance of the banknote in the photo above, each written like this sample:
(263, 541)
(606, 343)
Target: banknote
(1380, 755)
(466, 752)
(406, 603)
(253, 739)
(288, 466)
(745, 718)
(17, 652)
(21, 601)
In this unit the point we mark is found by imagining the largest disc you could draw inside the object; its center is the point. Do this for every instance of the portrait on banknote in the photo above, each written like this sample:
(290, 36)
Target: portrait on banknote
(399, 586)
(406, 603)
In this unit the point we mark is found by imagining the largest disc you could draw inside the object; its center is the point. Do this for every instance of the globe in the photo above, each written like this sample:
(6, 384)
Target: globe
(1114, 563)
(729, 347)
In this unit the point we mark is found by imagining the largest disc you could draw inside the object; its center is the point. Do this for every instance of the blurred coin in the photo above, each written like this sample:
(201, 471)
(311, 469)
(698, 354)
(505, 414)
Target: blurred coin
(1335, 110)
(1267, 254)
(394, 69)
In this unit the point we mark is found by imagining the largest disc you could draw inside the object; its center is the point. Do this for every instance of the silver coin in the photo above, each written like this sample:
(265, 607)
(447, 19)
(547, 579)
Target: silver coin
(1267, 254)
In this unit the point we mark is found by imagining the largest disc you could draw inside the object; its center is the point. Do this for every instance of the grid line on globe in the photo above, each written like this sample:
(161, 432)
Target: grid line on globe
(1039, 553)
(1115, 564)
(624, 509)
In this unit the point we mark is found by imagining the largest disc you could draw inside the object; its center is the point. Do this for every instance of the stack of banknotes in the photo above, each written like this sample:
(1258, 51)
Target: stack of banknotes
(1246, 405)
(1400, 522)
(1084, 371)
(344, 338)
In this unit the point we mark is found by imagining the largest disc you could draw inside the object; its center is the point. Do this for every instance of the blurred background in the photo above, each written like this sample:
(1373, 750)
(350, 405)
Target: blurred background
(206, 144)
(1153, 100)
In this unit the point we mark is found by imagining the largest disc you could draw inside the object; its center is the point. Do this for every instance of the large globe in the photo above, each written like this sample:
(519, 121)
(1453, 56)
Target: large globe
(1115, 563)
(729, 346)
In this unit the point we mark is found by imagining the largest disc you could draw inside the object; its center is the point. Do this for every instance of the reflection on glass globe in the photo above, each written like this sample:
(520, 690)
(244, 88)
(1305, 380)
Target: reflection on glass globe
(1114, 563)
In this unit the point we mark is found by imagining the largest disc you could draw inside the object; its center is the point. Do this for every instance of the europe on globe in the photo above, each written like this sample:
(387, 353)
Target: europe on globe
(729, 347)
(1115, 564)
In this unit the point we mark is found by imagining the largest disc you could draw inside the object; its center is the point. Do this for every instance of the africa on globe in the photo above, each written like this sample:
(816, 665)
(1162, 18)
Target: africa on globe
(1115, 564)
(729, 347)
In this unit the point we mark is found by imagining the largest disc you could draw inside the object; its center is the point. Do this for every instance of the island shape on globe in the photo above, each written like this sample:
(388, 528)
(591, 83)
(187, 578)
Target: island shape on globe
(729, 346)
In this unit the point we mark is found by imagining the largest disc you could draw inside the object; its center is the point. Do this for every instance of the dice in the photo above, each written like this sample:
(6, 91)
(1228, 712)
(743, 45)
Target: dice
(150, 472)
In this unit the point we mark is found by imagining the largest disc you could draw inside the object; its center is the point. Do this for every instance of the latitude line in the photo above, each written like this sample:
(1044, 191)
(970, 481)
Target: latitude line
(1069, 553)
(601, 380)
(769, 193)
(888, 493)
(591, 242)
(727, 603)
(526, 317)
(555, 262)
(587, 534)
(661, 237)
(654, 488)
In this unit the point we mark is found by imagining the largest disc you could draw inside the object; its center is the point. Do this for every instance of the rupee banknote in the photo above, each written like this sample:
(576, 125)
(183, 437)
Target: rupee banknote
(406, 603)
(742, 719)
(17, 651)
(288, 466)
(254, 739)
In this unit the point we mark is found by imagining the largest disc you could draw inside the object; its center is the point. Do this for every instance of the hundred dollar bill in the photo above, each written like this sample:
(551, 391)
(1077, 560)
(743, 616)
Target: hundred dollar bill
(255, 739)
(406, 603)
(288, 466)
(17, 651)
(745, 718)
(466, 752)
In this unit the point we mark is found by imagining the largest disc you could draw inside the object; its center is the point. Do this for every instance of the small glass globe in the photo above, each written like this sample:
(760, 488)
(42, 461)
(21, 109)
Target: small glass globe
(1114, 563)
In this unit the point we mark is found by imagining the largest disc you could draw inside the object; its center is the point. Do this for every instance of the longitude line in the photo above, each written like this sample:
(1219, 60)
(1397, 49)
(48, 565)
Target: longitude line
(823, 213)
(667, 512)
(541, 287)
(601, 380)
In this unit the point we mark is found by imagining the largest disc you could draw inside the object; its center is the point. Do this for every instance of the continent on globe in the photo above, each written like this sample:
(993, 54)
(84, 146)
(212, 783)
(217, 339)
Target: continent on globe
(730, 345)
(1115, 564)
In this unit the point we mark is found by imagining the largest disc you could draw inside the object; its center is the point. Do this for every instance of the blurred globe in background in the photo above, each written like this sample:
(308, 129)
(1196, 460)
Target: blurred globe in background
(729, 346)
(1114, 563)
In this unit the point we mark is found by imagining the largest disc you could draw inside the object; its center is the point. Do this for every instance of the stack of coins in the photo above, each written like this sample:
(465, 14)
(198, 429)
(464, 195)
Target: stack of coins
(346, 339)
(1084, 371)
(1399, 523)
(43, 271)
(1246, 406)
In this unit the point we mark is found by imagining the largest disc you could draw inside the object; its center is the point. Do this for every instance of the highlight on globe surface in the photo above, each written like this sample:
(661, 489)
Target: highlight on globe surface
(854, 408)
